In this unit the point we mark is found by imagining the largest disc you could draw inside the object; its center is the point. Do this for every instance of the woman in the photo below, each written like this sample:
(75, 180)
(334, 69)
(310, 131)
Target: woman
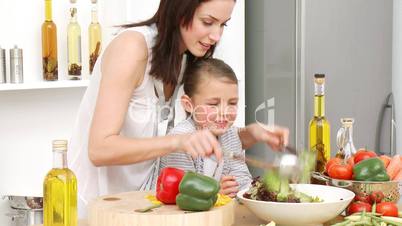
(129, 105)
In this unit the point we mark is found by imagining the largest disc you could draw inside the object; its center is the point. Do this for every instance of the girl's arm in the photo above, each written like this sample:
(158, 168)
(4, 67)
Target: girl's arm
(276, 137)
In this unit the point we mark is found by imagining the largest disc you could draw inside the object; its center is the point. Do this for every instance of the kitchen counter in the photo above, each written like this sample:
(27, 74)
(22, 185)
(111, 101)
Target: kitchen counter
(243, 217)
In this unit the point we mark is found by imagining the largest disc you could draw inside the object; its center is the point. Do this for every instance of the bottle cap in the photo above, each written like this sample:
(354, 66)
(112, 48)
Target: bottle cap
(15, 52)
(347, 121)
(59, 145)
(94, 1)
(73, 1)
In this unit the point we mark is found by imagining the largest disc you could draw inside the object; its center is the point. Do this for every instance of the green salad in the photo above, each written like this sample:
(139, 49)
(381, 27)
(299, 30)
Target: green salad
(272, 189)
(275, 188)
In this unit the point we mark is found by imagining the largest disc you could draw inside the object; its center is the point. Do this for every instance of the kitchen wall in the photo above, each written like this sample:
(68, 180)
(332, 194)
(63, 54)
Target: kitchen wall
(271, 68)
(397, 70)
(350, 42)
(31, 118)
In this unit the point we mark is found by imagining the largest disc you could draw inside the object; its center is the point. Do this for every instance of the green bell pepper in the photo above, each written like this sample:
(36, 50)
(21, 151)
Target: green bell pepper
(371, 169)
(197, 192)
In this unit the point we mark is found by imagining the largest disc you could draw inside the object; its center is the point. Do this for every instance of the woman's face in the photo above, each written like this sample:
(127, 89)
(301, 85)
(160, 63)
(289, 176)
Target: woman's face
(214, 104)
(207, 26)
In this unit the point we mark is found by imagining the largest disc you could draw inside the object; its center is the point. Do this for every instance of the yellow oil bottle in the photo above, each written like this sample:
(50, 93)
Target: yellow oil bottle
(60, 190)
(319, 126)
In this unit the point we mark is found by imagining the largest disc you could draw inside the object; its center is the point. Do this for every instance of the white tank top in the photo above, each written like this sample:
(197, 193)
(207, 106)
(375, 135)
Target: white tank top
(142, 120)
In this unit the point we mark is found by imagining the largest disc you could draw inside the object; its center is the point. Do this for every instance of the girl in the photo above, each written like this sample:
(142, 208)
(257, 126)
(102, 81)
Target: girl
(210, 100)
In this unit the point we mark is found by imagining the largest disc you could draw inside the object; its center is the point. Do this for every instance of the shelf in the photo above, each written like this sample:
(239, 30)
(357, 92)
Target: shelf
(44, 85)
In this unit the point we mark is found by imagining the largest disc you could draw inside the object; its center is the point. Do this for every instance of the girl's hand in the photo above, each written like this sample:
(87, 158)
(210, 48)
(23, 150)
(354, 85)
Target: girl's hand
(200, 143)
(276, 137)
(229, 186)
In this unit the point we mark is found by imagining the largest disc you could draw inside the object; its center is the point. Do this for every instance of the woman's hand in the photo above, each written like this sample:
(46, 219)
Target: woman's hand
(276, 137)
(229, 186)
(200, 143)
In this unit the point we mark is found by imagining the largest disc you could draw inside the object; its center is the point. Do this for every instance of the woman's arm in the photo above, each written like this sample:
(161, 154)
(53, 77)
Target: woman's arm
(123, 67)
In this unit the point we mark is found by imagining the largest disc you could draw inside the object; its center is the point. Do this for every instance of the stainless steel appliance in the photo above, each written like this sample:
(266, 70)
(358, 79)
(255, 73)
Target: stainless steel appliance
(25, 211)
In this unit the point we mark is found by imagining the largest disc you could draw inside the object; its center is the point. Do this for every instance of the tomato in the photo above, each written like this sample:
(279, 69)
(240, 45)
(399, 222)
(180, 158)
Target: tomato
(331, 162)
(387, 209)
(363, 154)
(363, 198)
(358, 207)
(376, 197)
(341, 171)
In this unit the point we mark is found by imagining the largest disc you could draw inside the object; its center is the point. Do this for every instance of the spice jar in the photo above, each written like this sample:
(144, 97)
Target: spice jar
(16, 68)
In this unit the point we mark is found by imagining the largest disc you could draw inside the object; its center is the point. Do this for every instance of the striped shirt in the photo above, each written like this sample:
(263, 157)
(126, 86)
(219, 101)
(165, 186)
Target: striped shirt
(229, 141)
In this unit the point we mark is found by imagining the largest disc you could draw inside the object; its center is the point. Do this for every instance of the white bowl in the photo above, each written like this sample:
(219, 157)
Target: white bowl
(335, 200)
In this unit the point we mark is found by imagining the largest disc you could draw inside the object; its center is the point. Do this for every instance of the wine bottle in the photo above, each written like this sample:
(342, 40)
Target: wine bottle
(49, 45)
(95, 39)
(74, 46)
(319, 126)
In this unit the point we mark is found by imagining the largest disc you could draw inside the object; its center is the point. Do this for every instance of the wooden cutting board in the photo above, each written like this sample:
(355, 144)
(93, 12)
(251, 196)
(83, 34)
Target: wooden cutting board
(119, 210)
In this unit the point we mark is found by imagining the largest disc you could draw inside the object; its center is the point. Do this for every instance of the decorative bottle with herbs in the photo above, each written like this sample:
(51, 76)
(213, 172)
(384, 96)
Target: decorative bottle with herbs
(319, 126)
(74, 45)
(49, 45)
(60, 190)
(95, 38)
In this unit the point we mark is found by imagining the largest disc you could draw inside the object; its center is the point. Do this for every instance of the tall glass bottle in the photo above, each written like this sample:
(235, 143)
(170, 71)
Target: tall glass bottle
(95, 39)
(74, 46)
(319, 126)
(49, 45)
(60, 190)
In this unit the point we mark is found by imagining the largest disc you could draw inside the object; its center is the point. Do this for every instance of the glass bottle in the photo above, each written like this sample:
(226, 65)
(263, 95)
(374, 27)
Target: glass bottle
(95, 39)
(60, 190)
(49, 45)
(344, 139)
(319, 126)
(74, 47)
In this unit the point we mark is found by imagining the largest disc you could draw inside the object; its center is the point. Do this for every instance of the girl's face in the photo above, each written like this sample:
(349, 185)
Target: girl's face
(207, 26)
(214, 104)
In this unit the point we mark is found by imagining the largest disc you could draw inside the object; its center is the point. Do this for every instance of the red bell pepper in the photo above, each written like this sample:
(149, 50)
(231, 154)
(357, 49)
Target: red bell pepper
(167, 185)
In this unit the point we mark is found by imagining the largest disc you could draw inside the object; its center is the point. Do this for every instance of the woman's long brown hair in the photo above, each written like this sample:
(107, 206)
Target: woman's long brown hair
(166, 57)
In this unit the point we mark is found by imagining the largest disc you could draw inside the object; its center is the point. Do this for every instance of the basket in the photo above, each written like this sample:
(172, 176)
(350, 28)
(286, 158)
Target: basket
(390, 189)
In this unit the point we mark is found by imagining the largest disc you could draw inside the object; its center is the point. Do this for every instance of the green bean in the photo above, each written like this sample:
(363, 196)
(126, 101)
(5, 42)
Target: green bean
(375, 222)
(343, 223)
(386, 221)
(374, 207)
(367, 213)
(367, 223)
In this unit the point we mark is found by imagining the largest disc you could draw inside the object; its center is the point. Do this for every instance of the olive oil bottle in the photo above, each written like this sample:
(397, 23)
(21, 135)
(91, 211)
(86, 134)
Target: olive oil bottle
(60, 190)
(74, 46)
(49, 45)
(319, 126)
(95, 39)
